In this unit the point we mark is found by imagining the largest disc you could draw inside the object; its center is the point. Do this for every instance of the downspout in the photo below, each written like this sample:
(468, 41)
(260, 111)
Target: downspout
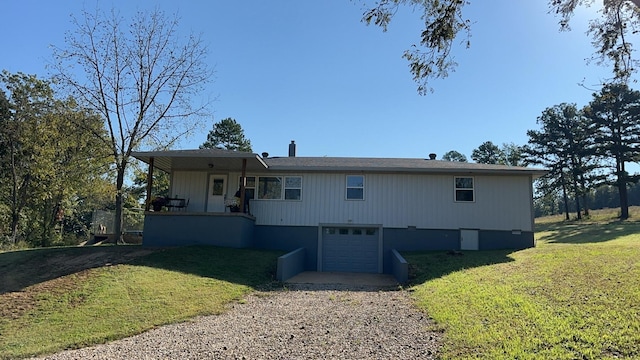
(147, 204)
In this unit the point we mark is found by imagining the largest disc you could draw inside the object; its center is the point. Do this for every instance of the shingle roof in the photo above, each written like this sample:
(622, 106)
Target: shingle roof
(200, 159)
(390, 165)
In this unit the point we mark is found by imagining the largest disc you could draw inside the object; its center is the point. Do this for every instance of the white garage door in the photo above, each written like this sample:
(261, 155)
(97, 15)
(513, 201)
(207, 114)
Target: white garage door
(351, 249)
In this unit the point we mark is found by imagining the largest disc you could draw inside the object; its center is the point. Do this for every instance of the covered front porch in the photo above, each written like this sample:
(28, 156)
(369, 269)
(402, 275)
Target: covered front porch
(206, 203)
(202, 180)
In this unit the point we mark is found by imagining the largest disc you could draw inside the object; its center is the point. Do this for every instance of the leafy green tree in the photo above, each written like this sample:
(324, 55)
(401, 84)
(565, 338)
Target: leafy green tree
(454, 156)
(138, 190)
(606, 196)
(444, 23)
(140, 76)
(487, 153)
(71, 164)
(546, 197)
(5, 116)
(227, 134)
(615, 124)
(29, 97)
(48, 164)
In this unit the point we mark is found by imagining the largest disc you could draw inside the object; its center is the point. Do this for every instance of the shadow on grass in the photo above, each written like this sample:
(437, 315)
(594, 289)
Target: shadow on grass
(581, 232)
(424, 266)
(251, 267)
(21, 269)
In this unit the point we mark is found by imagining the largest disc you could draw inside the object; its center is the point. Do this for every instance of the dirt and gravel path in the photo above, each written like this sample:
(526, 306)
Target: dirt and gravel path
(301, 322)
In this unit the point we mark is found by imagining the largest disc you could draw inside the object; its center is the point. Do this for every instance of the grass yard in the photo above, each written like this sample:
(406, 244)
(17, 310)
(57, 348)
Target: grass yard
(107, 300)
(576, 295)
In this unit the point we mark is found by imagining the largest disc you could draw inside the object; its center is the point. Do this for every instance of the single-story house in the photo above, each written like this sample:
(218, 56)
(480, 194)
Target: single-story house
(340, 213)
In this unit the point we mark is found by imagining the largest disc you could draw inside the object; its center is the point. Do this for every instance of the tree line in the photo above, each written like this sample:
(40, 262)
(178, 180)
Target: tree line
(53, 172)
(586, 150)
(127, 85)
(56, 167)
(130, 84)
(588, 147)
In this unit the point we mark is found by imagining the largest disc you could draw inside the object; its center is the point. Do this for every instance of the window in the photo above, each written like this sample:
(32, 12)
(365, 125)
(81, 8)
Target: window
(270, 187)
(218, 186)
(278, 187)
(292, 188)
(464, 189)
(355, 187)
(249, 187)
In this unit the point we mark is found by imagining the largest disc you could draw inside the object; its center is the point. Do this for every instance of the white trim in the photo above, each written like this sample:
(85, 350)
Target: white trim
(347, 187)
(455, 189)
(283, 187)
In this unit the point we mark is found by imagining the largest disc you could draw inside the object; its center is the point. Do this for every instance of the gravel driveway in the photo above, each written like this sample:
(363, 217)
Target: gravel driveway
(302, 322)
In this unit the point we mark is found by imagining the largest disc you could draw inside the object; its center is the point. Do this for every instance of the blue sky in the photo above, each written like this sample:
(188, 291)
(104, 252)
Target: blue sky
(310, 71)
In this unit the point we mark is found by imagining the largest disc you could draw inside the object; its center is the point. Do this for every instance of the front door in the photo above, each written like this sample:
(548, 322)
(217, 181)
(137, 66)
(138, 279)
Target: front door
(217, 192)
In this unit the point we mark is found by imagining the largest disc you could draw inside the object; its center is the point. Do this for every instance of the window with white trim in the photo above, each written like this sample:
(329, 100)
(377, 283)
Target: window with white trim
(355, 187)
(250, 186)
(464, 190)
(293, 188)
(279, 188)
(270, 187)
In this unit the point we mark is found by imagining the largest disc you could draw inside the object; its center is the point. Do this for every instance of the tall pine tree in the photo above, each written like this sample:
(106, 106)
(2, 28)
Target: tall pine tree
(560, 146)
(614, 114)
(227, 134)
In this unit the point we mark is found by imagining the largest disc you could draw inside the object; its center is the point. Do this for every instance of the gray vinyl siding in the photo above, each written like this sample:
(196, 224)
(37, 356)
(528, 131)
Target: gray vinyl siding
(402, 200)
(191, 185)
(393, 200)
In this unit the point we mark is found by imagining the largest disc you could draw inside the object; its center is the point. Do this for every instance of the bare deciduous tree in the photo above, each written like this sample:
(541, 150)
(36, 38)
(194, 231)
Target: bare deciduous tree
(141, 77)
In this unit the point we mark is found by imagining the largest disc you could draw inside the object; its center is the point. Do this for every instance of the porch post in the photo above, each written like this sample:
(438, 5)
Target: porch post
(243, 183)
(147, 204)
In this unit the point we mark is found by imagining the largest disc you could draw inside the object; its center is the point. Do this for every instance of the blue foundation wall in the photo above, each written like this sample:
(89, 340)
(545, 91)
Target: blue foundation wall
(238, 231)
(177, 229)
(289, 238)
(499, 240)
(416, 240)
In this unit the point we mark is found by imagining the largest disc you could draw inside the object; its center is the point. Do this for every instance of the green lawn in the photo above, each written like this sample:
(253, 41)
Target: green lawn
(576, 295)
(105, 303)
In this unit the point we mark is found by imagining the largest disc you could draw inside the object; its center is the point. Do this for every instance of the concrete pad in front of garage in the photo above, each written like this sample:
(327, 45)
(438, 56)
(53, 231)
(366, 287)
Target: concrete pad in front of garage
(344, 278)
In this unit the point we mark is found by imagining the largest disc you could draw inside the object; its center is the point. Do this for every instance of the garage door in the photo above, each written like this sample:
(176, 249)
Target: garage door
(350, 249)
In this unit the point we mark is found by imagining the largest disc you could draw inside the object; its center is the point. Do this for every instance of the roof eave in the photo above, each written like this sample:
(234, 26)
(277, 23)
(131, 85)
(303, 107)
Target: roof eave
(520, 171)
